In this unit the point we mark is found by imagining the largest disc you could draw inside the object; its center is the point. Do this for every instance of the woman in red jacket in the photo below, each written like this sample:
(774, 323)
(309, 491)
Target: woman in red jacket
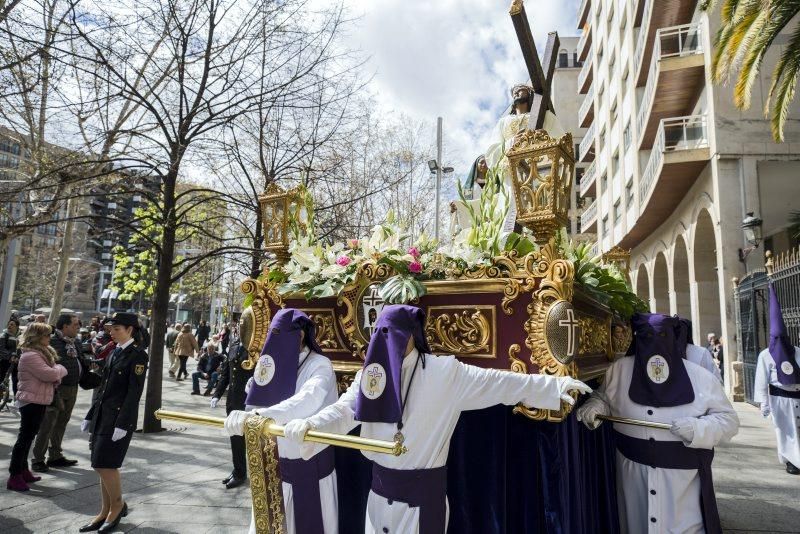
(38, 375)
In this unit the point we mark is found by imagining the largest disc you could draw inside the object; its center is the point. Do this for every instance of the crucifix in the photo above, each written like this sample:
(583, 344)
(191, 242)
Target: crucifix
(541, 80)
(572, 326)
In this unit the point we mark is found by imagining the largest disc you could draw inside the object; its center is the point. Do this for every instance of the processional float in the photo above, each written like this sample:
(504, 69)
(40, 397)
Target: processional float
(524, 313)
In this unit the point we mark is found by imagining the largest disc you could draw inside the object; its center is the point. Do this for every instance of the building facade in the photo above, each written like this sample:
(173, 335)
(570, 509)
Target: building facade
(673, 166)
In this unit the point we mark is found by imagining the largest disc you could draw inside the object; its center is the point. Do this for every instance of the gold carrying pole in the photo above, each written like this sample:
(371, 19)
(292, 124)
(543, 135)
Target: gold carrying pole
(634, 422)
(338, 440)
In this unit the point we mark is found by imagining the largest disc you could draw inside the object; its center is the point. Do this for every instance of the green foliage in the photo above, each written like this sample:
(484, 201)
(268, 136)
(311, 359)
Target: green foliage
(135, 267)
(521, 244)
(603, 282)
(401, 289)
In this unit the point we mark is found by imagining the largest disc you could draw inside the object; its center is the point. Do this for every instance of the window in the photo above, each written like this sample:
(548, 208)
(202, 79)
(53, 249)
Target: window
(575, 61)
(603, 183)
(611, 62)
(601, 140)
(626, 136)
(604, 225)
(563, 59)
(579, 175)
(617, 212)
(629, 196)
(615, 162)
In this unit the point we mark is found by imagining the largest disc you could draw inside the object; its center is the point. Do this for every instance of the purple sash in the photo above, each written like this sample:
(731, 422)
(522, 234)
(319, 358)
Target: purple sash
(675, 455)
(304, 476)
(423, 488)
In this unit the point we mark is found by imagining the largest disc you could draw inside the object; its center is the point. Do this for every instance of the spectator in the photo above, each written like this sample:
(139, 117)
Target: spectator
(56, 417)
(711, 336)
(169, 343)
(207, 369)
(39, 374)
(184, 347)
(719, 358)
(39, 318)
(203, 331)
(95, 325)
(103, 345)
(9, 354)
(225, 338)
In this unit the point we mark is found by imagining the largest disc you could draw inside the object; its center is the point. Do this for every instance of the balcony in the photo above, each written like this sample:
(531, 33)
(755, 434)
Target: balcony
(584, 43)
(585, 77)
(680, 153)
(675, 79)
(586, 112)
(589, 218)
(658, 14)
(587, 145)
(583, 13)
(588, 181)
(638, 10)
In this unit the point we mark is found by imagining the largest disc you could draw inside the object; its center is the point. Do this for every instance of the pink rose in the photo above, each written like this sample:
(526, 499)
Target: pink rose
(414, 252)
(415, 267)
(352, 243)
(343, 261)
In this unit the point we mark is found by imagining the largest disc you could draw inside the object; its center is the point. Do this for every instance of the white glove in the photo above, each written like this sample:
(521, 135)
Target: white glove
(249, 385)
(295, 430)
(265, 412)
(234, 423)
(214, 402)
(118, 434)
(588, 413)
(765, 409)
(85, 425)
(566, 384)
(684, 429)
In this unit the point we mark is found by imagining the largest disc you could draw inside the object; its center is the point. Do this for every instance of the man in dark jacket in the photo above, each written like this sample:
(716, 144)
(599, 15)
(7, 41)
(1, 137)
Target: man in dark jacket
(64, 341)
(203, 331)
(207, 370)
(234, 375)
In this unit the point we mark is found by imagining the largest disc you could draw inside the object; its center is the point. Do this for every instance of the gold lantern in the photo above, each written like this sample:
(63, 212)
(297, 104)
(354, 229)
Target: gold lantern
(619, 257)
(279, 210)
(542, 173)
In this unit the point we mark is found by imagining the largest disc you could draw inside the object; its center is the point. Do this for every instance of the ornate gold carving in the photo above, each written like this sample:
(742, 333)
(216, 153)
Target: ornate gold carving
(516, 7)
(265, 485)
(278, 209)
(594, 335)
(368, 274)
(345, 374)
(262, 294)
(328, 336)
(470, 332)
(541, 173)
(620, 257)
(517, 365)
(621, 338)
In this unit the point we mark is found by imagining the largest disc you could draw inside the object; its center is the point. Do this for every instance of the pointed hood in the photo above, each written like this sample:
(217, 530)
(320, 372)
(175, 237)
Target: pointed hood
(275, 375)
(379, 397)
(780, 346)
(660, 377)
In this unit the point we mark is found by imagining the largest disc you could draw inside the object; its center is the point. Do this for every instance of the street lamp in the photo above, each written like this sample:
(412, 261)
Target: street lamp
(434, 167)
(751, 226)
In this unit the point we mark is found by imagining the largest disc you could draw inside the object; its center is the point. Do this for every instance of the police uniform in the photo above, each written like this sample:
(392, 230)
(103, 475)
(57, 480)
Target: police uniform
(234, 378)
(117, 402)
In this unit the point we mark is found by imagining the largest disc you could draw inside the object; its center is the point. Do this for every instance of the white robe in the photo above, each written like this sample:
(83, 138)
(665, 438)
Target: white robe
(316, 388)
(785, 411)
(438, 395)
(676, 503)
(703, 358)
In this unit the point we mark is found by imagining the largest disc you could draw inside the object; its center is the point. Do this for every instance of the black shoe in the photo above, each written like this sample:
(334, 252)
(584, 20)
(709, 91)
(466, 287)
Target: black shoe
(89, 527)
(791, 469)
(234, 483)
(110, 527)
(39, 467)
(61, 462)
(227, 479)
(195, 393)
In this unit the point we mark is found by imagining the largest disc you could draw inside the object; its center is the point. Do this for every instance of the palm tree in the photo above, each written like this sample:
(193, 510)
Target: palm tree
(749, 29)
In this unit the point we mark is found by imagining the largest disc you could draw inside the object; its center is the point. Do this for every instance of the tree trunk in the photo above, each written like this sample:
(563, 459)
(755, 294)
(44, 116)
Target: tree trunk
(63, 264)
(152, 400)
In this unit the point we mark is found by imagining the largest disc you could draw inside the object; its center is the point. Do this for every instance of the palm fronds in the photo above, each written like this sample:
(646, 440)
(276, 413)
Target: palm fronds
(748, 30)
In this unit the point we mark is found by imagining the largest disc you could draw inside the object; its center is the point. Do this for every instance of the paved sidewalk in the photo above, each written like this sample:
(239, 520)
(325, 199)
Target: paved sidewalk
(171, 480)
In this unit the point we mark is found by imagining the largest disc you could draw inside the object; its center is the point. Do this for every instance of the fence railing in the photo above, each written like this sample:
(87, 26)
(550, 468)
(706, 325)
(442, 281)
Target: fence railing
(586, 105)
(641, 42)
(587, 67)
(679, 133)
(587, 141)
(674, 41)
(588, 216)
(784, 273)
(588, 178)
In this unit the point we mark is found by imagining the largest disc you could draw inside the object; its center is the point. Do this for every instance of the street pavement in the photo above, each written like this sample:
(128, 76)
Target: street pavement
(172, 480)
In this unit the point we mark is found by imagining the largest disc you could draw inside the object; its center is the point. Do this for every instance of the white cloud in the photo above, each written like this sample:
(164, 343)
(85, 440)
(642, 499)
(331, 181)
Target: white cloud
(451, 58)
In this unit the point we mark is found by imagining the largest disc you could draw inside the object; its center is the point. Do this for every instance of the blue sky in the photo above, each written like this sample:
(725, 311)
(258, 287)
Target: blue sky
(454, 58)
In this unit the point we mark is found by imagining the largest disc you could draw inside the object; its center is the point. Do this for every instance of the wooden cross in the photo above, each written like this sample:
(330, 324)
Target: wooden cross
(541, 80)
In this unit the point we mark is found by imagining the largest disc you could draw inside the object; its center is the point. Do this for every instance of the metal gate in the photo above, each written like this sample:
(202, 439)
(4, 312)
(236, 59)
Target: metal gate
(752, 309)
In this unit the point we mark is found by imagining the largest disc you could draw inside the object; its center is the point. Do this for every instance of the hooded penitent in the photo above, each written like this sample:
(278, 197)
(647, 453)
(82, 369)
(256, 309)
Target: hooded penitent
(659, 375)
(683, 334)
(780, 347)
(379, 396)
(275, 375)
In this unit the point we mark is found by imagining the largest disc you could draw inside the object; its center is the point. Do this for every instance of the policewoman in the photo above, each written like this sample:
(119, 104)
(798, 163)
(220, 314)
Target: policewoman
(113, 416)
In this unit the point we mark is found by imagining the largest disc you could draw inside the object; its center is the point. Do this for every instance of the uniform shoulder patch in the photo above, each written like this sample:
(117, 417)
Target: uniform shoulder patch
(139, 369)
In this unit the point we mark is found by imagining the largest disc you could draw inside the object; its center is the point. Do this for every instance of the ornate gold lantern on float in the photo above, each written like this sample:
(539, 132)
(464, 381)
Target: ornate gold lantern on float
(542, 170)
(279, 210)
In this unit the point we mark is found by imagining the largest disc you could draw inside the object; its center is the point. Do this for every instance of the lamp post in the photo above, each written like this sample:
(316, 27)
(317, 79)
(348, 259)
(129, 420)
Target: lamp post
(751, 225)
(434, 167)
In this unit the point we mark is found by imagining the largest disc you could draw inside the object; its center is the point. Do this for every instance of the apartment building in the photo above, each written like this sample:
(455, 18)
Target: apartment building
(673, 166)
